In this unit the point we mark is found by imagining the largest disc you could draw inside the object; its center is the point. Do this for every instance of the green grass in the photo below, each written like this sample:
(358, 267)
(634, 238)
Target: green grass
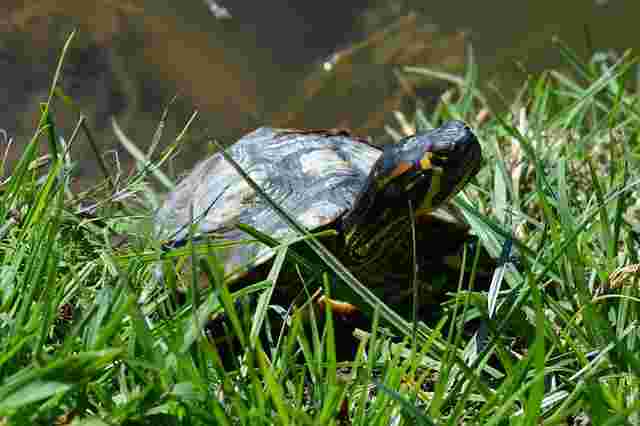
(87, 334)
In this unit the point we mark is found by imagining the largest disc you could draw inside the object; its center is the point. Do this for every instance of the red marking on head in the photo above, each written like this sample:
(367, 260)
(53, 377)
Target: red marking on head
(401, 168)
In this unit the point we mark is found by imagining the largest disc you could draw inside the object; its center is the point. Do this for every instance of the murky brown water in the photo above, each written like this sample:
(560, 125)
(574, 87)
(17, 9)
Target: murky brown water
(265, 64)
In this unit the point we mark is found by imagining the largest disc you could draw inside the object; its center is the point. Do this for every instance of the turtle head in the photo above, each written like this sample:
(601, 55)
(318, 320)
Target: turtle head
(426, 169)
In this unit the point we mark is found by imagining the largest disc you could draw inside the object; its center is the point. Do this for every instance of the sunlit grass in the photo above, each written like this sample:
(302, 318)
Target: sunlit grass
(88, 333)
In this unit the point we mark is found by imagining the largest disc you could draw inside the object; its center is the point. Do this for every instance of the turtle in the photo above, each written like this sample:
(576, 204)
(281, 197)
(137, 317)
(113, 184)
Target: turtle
(328, 179)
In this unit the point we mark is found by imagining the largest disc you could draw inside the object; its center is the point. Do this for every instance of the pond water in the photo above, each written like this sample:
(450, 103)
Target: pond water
(286, 63)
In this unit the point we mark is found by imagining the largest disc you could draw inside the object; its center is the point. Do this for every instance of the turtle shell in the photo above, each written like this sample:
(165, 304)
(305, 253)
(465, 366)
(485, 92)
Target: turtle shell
(315, 176)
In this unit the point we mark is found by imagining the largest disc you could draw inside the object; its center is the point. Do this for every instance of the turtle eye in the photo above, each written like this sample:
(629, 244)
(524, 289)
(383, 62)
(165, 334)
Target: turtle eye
(439, 160)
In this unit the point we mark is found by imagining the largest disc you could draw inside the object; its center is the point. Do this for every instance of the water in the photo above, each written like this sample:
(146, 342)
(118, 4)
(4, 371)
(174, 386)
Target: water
(266, 64)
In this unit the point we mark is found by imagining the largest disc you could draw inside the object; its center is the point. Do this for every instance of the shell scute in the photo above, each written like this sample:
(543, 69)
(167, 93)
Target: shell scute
(316, 177)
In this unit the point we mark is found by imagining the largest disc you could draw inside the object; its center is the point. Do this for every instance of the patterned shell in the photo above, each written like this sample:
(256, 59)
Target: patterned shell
(315, 176)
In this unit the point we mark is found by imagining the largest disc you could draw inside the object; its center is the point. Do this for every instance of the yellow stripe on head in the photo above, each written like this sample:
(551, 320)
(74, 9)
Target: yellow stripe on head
(425, 161)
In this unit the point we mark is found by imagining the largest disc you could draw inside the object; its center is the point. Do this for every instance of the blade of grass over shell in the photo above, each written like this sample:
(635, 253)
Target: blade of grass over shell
(207, 243)
(273, 243)
(195, 275)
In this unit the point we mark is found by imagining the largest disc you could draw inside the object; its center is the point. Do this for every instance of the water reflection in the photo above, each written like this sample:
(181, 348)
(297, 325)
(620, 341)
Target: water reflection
(305, 64)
